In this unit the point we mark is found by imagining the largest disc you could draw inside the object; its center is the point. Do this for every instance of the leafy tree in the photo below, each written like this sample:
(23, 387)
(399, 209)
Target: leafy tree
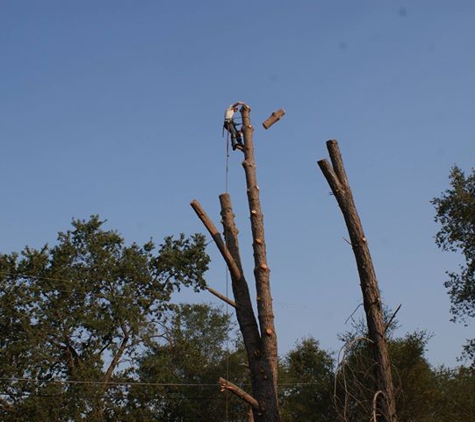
(455, 395)
(413, 377)
(307, 379)
(185, 367)
(312, 391)
(75, 317)
(455, 212)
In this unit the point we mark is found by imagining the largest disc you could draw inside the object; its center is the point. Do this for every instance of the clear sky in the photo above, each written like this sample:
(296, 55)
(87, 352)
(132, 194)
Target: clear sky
(115, 108)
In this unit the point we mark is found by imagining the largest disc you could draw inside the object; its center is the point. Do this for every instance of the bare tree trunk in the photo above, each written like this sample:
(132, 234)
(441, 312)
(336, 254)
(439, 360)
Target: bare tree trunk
(258, 333)
(337, 179)
(261, 269)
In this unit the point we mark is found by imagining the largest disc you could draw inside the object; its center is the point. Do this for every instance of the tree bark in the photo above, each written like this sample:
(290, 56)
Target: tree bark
(338, 181)
(261, 269)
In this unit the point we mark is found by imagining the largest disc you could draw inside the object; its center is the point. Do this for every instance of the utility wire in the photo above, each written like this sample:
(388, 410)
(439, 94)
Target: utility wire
(137, 383)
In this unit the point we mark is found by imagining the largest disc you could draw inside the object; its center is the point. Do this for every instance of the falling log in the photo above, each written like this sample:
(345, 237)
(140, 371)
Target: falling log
(274, 117)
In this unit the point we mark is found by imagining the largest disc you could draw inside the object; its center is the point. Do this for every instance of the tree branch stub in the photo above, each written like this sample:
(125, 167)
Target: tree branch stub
(221, 296)
(229, 386)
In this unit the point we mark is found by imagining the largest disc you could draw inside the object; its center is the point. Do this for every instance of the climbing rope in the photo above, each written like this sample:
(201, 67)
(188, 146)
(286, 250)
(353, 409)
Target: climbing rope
(227, 162)
(227, 284)
(228, 142)
(238, 123)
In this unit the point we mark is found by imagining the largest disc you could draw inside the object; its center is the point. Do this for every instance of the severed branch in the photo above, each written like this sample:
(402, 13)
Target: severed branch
(221, 296)
(226, 385)
(273, 118)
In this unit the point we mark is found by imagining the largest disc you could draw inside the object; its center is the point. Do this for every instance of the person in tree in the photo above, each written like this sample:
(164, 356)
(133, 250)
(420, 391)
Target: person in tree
(231, 126)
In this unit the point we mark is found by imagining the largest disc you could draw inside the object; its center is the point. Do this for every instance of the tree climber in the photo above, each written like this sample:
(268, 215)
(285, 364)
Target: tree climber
(231, 126)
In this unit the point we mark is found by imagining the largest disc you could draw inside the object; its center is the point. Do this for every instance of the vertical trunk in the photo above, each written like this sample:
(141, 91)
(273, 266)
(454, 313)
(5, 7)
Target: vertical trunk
(337, 179)
(261, 269)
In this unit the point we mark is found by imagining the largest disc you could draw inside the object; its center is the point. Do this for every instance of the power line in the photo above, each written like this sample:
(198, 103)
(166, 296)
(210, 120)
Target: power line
(112, 383)
(137, 383)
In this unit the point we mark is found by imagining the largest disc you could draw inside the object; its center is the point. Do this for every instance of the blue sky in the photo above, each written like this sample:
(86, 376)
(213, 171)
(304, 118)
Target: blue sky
(115, 108)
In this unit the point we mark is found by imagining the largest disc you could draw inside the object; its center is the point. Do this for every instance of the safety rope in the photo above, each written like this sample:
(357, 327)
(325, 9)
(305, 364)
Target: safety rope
(227, 285)
(227, 273)
(227, 162)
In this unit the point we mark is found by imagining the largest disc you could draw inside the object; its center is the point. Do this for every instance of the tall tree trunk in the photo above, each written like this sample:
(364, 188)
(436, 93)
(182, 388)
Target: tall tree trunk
(261, 269)
(337, 179)
(259, 335)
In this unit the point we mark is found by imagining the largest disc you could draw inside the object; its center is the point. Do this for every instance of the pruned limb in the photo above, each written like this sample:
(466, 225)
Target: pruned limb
(229, 386)
(273, 118)
(221, 296)
(213, 231)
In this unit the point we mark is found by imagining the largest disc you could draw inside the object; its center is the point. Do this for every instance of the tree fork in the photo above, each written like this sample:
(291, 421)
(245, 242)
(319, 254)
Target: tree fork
(337, 179)
(244, 312)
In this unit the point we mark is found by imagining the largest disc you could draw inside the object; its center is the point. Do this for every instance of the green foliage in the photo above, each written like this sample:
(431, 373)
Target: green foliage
(412, 376)
(307, 383)
(306, 380)
(186, 366)
(74, 317)
(455, 212)
(454, 392)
